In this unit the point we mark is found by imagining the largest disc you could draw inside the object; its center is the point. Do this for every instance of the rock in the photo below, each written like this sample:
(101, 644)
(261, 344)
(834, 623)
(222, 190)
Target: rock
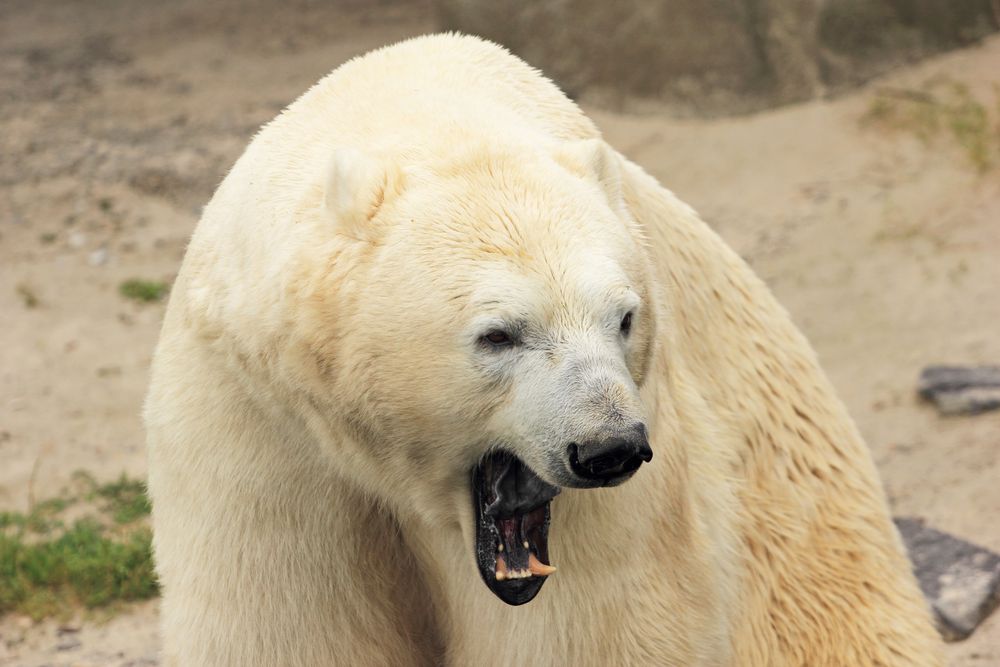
(69, 644)
(720, 56)
(67, 629)
(960, 580)
(99, 257)
(952, 378)
(77, 240)
(967, 401)
(959, 390)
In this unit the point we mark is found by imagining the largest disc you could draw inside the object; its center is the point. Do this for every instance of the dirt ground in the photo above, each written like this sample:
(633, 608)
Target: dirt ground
(117, 121)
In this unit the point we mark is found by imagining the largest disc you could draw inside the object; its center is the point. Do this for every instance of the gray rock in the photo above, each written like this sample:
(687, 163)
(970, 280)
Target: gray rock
(719, 56)
(961, 390)
(77, 240)
(99, 257)
(70, 644)
(67, 629)
(959, 579)
(967, 401)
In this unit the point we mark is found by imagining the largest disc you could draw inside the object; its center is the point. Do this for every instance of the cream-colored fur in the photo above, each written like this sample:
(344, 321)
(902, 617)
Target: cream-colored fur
(318, 402)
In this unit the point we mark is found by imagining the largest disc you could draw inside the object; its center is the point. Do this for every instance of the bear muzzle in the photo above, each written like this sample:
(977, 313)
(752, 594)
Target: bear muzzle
(610, 459)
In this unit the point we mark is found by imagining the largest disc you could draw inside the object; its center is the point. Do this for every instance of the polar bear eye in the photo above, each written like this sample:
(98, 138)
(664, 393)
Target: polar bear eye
(626, 325)
(498, 338)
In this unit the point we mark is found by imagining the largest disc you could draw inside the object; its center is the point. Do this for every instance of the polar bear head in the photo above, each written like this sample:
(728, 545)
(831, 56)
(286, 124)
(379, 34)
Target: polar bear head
(480, 328)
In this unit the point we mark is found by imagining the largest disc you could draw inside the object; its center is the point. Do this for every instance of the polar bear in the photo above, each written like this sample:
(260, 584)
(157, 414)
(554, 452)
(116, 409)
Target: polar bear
(433, 344)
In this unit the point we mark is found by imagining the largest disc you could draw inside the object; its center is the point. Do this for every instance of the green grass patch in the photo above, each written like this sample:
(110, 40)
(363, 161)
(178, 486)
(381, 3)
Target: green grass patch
(125, 499)
(146, 291)
(48, 567)
(942, 108)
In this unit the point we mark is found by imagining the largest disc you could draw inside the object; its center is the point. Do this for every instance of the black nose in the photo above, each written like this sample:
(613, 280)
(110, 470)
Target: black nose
(609, 458)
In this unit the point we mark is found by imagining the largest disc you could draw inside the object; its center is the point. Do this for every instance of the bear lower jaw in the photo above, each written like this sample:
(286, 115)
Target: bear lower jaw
(512, 511)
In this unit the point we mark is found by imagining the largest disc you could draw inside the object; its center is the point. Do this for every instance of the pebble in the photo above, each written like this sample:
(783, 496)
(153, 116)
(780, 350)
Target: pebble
(77, 240)
(70, 644)
(961, 390)
(67, 629)
(99, 257)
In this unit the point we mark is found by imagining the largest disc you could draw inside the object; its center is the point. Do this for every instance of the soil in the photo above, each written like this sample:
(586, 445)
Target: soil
(118, 119)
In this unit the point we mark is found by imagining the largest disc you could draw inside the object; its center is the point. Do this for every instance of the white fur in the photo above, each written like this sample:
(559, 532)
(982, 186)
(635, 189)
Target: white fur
(320, 395)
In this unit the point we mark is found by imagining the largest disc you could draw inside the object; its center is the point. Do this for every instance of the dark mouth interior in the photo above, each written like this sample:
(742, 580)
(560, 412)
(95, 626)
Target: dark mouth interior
(512, 526)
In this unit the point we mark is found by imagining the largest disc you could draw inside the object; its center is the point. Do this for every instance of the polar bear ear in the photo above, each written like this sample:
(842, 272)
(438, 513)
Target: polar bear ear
(595, 160)
(356, 187)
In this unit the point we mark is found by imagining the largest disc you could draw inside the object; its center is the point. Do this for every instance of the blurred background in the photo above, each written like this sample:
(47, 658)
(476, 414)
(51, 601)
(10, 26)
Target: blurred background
(848, 149)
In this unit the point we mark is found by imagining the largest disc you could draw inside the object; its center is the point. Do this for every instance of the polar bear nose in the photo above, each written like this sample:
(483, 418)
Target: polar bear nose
(613, 458)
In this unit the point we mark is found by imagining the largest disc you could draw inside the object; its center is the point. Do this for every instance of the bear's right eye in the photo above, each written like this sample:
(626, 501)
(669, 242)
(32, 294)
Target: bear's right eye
(626, 325)
(498, 338)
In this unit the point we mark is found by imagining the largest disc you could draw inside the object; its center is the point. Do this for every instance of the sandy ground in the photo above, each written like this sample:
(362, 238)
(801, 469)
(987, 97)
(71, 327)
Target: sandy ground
(117, 121)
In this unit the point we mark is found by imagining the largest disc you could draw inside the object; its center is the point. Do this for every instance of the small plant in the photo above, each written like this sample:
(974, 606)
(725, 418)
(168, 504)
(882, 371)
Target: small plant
(127, 499)
(28, 296)
(942, 105)
(969, 123)
(146, 291)
(905, 110)
(46, 567)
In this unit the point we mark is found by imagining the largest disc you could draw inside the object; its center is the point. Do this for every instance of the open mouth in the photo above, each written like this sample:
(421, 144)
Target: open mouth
(512, 527)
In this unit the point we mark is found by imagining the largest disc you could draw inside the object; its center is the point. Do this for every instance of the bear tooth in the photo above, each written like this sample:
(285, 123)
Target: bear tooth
(500, 548)
(525, 544)
(501, 572)
(536, 566)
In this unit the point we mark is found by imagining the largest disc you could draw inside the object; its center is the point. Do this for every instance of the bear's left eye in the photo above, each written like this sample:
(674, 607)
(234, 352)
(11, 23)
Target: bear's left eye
(498, 338)
(626, 325)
